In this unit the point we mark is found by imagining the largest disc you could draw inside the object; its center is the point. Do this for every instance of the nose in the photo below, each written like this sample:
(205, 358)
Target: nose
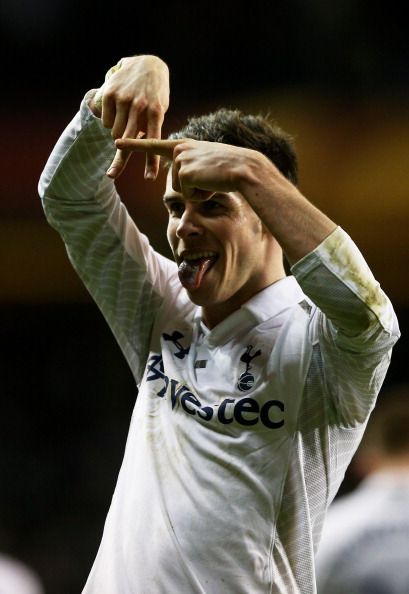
(189, 223)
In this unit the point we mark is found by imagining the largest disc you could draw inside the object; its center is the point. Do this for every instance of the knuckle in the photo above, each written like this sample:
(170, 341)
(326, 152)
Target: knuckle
(123, 100)
(178, 152)
(183, 174)
(155, 111)
(109, 95)
(139, 103)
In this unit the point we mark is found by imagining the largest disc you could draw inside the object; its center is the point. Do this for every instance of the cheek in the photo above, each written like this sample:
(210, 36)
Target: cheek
(248, 219)
(251, 231)
(171, 233)
(256, 226)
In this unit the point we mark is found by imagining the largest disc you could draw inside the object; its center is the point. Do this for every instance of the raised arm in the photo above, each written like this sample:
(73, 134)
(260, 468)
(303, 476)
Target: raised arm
(296, 223)
(114, 260)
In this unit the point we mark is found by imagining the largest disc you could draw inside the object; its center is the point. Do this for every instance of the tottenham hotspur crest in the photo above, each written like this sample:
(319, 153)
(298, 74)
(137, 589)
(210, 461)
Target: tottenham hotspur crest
(246, 379)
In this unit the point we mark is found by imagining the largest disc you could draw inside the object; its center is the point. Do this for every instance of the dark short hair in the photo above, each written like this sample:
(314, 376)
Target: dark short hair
(255, 132)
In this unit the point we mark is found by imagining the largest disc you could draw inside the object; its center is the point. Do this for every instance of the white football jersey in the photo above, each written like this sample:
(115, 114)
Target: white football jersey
(240, 435)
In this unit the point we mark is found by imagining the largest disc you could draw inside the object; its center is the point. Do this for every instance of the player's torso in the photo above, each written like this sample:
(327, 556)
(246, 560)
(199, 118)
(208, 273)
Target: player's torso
(210, 443)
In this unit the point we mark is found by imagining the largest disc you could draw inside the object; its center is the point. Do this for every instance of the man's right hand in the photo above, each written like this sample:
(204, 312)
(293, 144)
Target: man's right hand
(132, 103)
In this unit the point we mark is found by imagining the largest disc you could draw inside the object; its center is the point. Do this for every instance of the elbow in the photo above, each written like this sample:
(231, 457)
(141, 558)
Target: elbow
(43, 184)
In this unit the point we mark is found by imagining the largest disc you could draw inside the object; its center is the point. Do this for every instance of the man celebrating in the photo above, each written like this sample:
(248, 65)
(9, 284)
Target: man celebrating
(254, 387)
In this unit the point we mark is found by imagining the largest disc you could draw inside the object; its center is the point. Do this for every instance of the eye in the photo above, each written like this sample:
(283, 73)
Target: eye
(175, 208)
(210, 206)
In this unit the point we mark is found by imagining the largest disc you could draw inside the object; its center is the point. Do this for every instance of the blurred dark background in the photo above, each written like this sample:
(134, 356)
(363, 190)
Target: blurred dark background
(333, 74)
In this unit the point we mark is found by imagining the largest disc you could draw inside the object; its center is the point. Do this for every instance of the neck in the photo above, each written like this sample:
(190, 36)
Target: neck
(216, 313)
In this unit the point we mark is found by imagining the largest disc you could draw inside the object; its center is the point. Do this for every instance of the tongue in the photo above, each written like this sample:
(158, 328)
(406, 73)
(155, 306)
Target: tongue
(191, 273)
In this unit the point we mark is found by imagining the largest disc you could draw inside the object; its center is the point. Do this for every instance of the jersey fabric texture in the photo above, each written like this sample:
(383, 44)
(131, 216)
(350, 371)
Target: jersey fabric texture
(241, 435)
(365, 541)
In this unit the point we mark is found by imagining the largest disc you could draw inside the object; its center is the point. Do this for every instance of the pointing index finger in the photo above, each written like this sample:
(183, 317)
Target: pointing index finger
(151, 146)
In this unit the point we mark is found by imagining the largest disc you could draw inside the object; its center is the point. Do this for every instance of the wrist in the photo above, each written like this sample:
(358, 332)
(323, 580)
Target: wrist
(252, 171)
(90, 101)
(114, 69)
(95, 99)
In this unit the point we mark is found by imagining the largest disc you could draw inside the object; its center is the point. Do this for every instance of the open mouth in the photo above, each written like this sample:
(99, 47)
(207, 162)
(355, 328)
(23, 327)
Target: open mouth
(194, 266)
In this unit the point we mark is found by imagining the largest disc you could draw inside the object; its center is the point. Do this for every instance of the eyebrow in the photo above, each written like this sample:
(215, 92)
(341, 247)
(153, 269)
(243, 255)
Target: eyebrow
(170, 198)
(218, 195)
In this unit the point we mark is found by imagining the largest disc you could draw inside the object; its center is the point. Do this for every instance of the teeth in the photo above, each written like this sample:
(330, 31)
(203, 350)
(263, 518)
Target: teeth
(197, 255)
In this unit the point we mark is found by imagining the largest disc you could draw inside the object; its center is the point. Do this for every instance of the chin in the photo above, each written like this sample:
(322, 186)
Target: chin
(201, 297)
(198, 299)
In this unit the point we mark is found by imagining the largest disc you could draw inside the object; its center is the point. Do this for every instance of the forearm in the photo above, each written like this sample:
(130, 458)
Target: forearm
(298, 226)
(327, 263)
(78, 161)
(114, 260)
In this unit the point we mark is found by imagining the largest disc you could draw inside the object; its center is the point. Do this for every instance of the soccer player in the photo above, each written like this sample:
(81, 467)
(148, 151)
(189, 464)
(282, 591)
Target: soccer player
(254, 387)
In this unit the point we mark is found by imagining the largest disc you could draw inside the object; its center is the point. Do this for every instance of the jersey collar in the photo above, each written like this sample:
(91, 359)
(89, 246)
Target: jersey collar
(264, 305)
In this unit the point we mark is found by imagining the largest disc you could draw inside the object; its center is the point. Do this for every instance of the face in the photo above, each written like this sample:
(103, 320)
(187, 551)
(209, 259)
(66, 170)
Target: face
(221, 248)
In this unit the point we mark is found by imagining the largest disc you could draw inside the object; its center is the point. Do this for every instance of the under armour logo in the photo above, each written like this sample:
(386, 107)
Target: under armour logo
(174, 337)
(246, 379)
(156, 371)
